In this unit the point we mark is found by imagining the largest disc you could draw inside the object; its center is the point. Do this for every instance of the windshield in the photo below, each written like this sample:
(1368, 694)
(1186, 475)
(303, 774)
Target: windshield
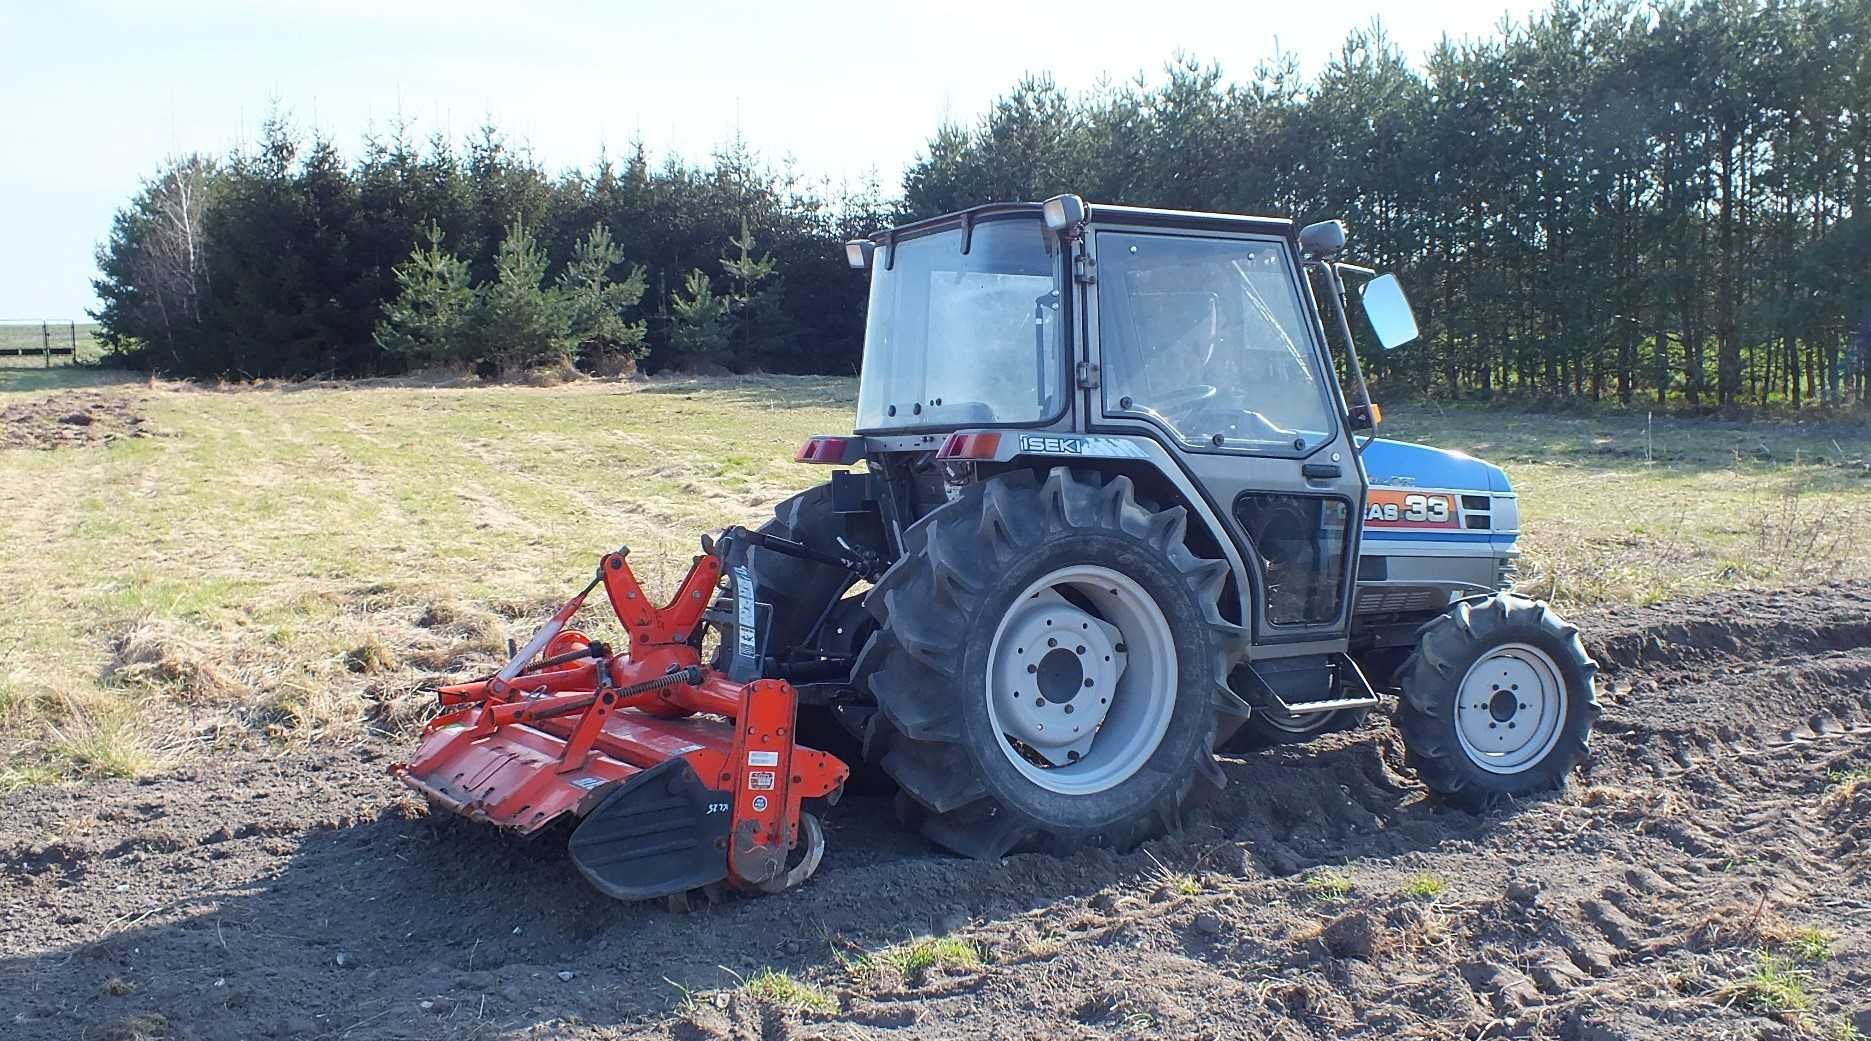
(1208, 337)
(954, 339)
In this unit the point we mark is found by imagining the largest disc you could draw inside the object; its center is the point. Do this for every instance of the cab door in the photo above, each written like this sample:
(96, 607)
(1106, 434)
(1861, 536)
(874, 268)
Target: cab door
(1206, 343)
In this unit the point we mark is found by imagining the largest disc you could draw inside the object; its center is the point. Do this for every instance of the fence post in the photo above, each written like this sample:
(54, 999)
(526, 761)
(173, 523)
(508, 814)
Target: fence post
(74, 342)
(45, 337)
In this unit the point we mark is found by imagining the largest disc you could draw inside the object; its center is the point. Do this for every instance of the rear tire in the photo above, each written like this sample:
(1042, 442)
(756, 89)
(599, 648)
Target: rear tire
(1498, 701)
(797, 589)
(799, 592)
(1074, 560)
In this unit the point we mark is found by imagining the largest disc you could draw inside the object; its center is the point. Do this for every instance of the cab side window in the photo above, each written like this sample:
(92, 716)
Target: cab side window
(1208, 337)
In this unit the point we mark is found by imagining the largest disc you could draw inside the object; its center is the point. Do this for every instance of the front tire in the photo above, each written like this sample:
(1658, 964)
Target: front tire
(1498, 701)
(1024, 605)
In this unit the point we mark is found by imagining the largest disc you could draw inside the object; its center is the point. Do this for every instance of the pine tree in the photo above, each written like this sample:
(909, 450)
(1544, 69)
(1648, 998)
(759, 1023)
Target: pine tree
(595, 304)
(522, 323)
(432, 317)
(698, 326)
(753, 303)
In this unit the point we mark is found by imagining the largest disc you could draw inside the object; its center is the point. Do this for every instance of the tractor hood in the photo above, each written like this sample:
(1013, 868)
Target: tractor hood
(1402, 463)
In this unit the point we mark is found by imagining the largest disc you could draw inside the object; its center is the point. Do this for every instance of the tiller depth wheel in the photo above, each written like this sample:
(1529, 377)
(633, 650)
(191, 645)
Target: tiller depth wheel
(681, 777)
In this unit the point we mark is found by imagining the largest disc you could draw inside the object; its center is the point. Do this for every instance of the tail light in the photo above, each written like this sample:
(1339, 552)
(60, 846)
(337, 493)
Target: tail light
(970, 446)
(826, 450)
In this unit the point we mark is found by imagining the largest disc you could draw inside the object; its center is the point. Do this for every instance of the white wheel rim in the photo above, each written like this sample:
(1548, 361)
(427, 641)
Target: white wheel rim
(1510, 709)
(1291, 723)
(1081, 680)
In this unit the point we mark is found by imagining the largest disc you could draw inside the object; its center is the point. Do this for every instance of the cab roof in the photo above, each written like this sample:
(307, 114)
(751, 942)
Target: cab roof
(1099, 213)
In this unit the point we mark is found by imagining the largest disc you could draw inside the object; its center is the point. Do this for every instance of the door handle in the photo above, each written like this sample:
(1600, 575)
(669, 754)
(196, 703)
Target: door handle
(1320, 471)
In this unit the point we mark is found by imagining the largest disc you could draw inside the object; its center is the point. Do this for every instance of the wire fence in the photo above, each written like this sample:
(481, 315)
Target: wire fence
(47, 341)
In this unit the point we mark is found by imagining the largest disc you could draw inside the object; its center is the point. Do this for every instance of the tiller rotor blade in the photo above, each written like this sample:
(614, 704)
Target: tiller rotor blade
(681, 777)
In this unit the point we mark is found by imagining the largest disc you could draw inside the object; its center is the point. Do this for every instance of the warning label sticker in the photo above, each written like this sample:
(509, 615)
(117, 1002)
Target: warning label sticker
(588, 783)
(763, 759)
(760, 780)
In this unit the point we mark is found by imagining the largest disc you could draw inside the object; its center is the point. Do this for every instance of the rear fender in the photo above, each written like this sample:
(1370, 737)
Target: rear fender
(1157, 478)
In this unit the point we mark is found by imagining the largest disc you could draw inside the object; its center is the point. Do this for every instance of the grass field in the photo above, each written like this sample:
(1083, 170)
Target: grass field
(27, 336)
(292, 560)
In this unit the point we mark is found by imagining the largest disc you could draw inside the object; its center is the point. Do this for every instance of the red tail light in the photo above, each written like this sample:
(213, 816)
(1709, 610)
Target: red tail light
(970, 446)
(830, 450)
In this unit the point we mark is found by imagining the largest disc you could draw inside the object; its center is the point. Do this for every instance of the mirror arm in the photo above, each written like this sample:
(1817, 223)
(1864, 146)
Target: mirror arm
(1355, 269)
(1337, 294)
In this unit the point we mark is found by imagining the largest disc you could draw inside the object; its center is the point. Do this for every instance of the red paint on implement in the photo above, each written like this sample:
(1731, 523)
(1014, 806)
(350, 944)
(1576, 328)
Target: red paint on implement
(552, 737)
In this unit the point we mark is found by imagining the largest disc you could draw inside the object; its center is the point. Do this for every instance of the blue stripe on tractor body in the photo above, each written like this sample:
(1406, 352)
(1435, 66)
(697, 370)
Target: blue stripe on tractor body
(1427, 536)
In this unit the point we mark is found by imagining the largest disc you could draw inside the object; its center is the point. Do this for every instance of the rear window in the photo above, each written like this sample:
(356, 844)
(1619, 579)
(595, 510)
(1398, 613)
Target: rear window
(959, 339)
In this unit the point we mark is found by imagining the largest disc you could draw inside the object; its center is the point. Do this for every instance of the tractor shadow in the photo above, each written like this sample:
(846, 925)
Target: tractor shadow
(403, 925)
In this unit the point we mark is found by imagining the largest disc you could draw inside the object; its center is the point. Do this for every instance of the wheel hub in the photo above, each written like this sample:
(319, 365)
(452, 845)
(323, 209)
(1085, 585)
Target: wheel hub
(1081, 679)
(1511, 708)
(1060, 676)
(1056, 668)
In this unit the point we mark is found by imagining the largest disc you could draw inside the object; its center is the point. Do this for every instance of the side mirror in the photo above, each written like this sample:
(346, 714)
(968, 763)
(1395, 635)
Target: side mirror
(1389, 311)
(858, 253)
(1324, 239)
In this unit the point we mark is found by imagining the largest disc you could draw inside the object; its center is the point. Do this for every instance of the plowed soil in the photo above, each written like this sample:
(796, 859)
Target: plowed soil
(75, 417)
(1707, 875)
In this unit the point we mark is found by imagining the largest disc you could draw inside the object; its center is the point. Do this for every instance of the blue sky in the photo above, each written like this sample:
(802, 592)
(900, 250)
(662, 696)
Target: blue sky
(94, 95)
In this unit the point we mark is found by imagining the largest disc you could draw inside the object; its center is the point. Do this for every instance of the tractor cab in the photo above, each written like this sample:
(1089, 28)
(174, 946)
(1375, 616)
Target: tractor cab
(1187, 349)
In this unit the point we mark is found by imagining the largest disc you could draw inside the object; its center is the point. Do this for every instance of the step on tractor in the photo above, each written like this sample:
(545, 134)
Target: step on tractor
(1108, 512)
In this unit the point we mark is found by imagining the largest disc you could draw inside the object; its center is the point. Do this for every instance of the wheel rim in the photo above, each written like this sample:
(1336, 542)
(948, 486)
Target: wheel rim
(1288, 723)
(1510, 709)
(1081, 680)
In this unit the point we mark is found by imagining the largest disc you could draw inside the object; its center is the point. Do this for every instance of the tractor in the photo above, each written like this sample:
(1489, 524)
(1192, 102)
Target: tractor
(1107, 512)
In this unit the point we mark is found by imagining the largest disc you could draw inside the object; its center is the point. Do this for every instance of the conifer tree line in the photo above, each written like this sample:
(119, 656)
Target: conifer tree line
(1663, 201)
(284, 260)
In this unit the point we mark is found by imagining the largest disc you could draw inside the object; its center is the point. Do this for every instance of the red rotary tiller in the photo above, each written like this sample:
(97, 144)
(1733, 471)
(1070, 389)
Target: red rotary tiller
(681, 777)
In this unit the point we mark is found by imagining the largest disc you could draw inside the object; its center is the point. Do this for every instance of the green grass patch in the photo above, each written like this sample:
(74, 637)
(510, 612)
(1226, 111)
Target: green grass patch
(919, 956)
(1773, 986)
(1328, 885)
(1810, 944)
(1427, 886)
(789, 993)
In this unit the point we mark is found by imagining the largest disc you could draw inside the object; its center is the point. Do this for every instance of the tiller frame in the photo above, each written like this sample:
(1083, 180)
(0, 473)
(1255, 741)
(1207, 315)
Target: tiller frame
(681, 776)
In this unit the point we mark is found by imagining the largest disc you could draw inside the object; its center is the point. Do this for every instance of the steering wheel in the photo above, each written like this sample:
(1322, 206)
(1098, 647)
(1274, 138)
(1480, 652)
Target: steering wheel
(1242, 423)
(1185, 401)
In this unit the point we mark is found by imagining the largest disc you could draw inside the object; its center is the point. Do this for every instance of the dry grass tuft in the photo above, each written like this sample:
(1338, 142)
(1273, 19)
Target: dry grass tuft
(1846, 784)
(305, 708)
(91, 734)
(1804, 536)
(401, 708)
(144, 1026)
(372, 657)
(154, 655)
(1740, 924)
(483, 629)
